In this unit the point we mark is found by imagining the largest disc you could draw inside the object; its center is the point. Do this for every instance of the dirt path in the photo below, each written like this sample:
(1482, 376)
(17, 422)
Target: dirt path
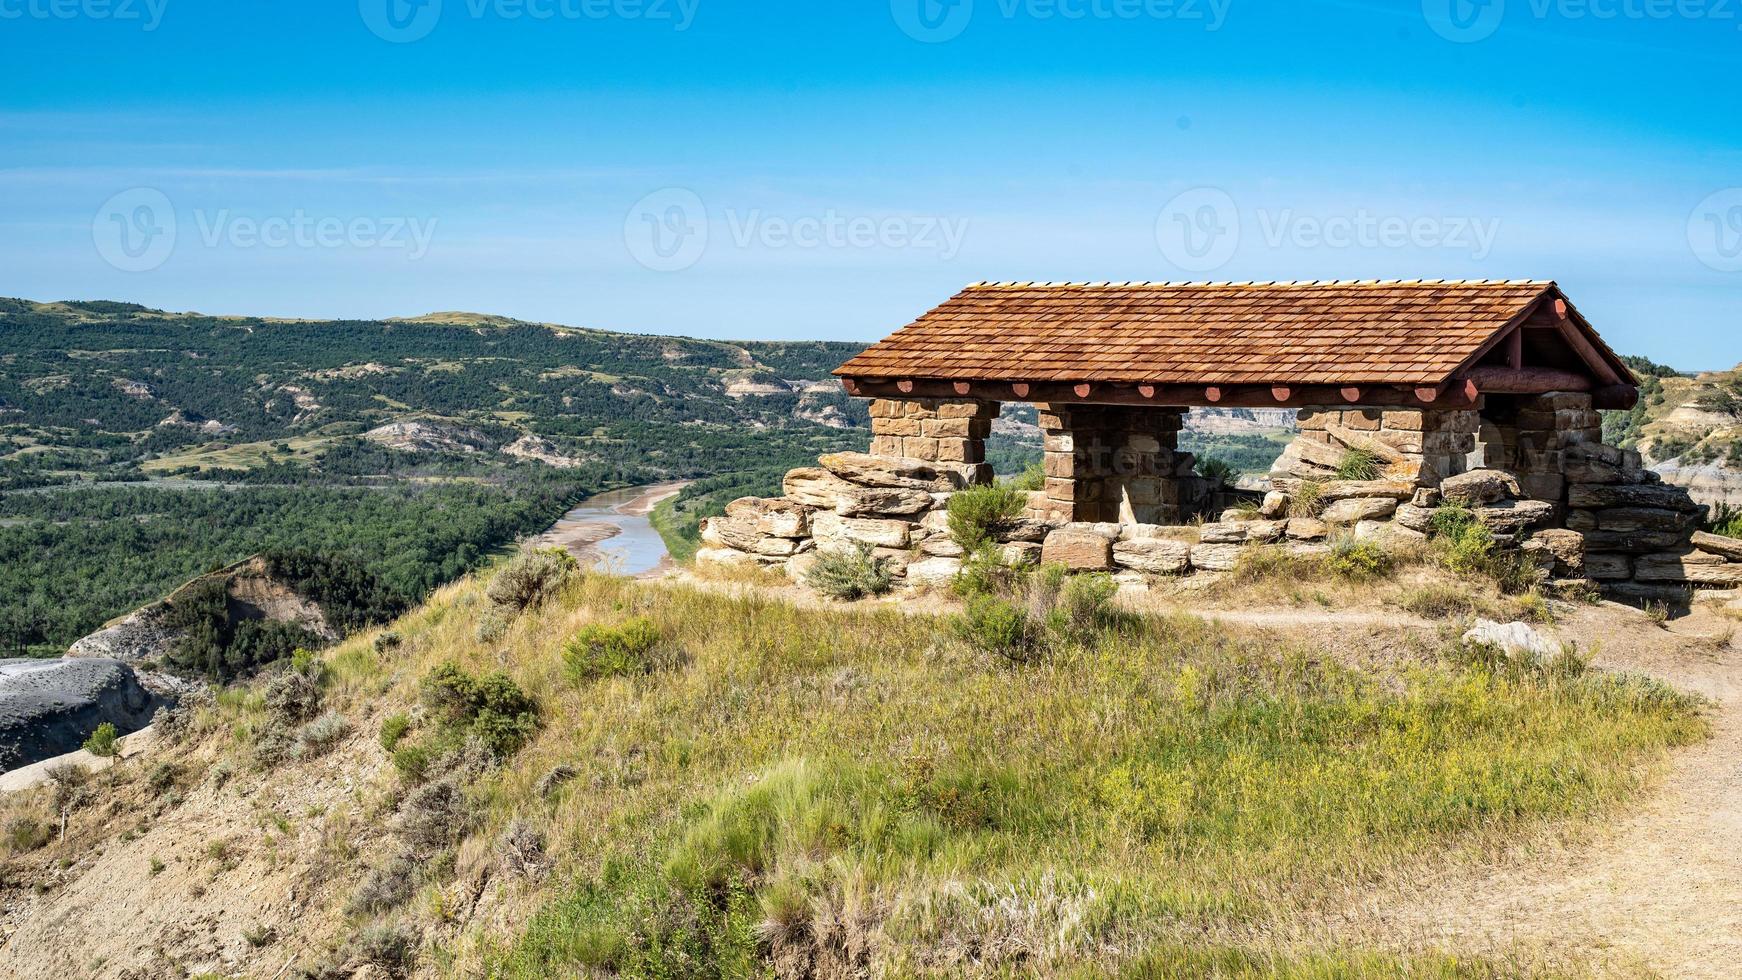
(1661, 888)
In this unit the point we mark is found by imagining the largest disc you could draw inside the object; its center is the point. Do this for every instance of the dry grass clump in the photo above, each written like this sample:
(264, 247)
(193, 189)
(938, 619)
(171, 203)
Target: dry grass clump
(849, 573)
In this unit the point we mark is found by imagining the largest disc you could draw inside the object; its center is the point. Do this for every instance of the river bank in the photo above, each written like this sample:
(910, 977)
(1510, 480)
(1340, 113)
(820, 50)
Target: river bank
(619, 517)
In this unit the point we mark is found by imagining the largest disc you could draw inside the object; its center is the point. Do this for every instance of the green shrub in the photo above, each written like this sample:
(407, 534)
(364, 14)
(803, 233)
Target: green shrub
(849, 575)
(102, 741)
(1000, 627)
(163, 777)
(412, 761)
(1467, 547)
(985, 572)
(1359, 464)
(391, 947)
(1031, 612)
(321, 736)
(492, 707)
(394, 728)
(1727, 520)
(1358, 561)
(25, 834)
(978, 513)
(1085, 605)
(389, 640)
(1032, 478)
(530, 578)
(1221, 471)
(292, 695)
(598, 650)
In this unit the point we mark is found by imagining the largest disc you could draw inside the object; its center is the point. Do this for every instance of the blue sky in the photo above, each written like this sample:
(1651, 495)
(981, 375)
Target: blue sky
(784, 169)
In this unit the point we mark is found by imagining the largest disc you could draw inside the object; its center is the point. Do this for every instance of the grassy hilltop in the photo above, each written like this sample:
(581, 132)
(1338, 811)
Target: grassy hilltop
(551, 774)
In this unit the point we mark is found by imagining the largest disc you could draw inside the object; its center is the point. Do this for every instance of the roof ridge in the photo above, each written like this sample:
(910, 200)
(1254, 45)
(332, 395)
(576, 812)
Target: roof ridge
(987, 284)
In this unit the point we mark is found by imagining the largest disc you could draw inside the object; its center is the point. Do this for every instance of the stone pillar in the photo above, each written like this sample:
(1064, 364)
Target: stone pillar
(1107, 463)
(1544, 429)
(1412, 445)
(931, 429)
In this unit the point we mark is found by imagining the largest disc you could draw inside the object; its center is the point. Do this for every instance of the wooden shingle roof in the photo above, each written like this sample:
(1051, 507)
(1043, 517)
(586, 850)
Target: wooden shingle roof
(1409, 333)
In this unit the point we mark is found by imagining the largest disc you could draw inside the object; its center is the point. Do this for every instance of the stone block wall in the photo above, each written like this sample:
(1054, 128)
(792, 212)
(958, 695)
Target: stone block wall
(1542, 431)
(1118, 494)
(1420, 447)
(932, 430)
(1115, 464)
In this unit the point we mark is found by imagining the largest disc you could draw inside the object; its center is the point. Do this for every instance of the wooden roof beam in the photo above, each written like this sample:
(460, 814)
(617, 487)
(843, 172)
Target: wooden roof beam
(1464, 393)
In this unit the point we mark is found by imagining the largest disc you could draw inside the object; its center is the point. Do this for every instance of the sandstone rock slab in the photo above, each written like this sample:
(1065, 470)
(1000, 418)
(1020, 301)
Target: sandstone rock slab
(1354, 510)
(1078, 550)
(1155, 556)
(1479, 487)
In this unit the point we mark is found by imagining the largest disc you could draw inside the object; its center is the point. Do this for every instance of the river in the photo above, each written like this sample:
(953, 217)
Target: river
(611, 531)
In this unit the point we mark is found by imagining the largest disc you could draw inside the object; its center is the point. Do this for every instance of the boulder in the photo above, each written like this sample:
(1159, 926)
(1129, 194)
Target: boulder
(1673, 595)
(1595, 496)
(726, 558)
(1414, 517)
(1217, 557)
(814, 487)
(1386, 532)
(937, 521)
(941, 546)
(1308, 529)
(1017, 554)
(904, 473)
(1426, 497)
(1079, 550)
(879, 533)
(1516, 516)
(1156, 556)
(1518, 640)
(1335, 490)
(1354, 510)
(1635, 542)
(1566, 547)
(1479, 487)
(1608, 567)
(1628, 519)
(49, 707)
(867, 501)
(1693, 567)
(1275, 505)
(732, 532)
(934, 571)
(1715, 544)
(1266, 532)
(779, 518)
(1024, 529)
(1228, 532)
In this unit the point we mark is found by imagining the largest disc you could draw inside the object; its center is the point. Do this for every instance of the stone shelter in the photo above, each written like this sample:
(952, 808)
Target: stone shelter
(1480, 393)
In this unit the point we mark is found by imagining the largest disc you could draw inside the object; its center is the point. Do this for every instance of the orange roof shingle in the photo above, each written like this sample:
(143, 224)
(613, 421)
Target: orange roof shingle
(1399, 333)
